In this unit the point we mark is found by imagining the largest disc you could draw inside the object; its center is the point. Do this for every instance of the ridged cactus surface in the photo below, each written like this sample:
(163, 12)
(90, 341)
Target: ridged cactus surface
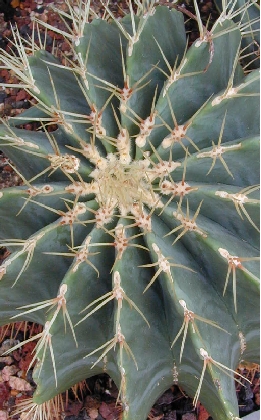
(134, 239)
(249, 17)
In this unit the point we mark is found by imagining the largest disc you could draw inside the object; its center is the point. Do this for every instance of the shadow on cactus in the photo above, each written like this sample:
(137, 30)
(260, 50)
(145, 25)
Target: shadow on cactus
(134, 238)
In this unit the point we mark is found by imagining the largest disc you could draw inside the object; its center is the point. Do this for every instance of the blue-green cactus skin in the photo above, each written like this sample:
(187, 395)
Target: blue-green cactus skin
(134, 239)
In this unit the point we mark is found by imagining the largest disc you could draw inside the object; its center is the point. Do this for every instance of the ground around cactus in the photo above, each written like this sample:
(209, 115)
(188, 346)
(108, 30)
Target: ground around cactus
(95, 398)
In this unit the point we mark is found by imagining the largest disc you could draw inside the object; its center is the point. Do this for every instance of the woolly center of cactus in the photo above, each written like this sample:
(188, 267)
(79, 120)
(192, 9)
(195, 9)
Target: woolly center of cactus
(121, 185)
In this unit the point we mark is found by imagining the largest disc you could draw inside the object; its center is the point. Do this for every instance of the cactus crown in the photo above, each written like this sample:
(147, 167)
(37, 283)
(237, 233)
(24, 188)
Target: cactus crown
(134, 239)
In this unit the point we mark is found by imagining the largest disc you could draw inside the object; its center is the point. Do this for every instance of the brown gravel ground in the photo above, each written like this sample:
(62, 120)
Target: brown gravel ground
(96, 397)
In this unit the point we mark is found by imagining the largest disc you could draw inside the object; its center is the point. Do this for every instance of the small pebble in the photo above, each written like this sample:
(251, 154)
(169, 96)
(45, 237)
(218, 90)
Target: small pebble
(3, 415)
(3, 95)
(7, 360)
(189, 416)
(18, 104)
(171, 416)
(25, 31)
(39, 9)
(21, 95)
(246, 407)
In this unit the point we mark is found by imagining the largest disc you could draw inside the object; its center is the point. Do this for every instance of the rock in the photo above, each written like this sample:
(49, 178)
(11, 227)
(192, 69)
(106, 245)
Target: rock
(21, 95)
(3, 415)
(203, 414)
(246, 407)
(19, 384)
(166, 398)
(189, 416)
(7, 344)
(171, 416)
(257, 398)
(25, 31)
(4, 393)
(3, 96)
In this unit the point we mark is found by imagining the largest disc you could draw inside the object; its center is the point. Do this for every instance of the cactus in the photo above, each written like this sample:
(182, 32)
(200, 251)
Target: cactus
(134, 239)
(248, 16)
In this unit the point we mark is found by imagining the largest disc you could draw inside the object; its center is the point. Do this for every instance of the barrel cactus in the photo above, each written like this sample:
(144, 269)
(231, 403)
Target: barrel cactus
(249, 17)
(134, 237)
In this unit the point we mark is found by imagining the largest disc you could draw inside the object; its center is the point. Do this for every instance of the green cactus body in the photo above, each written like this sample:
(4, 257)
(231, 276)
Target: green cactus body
(134, 239)
(247, 13)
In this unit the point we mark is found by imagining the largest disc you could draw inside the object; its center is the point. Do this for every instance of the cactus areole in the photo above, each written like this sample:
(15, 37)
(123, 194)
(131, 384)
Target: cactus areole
(134, 237)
